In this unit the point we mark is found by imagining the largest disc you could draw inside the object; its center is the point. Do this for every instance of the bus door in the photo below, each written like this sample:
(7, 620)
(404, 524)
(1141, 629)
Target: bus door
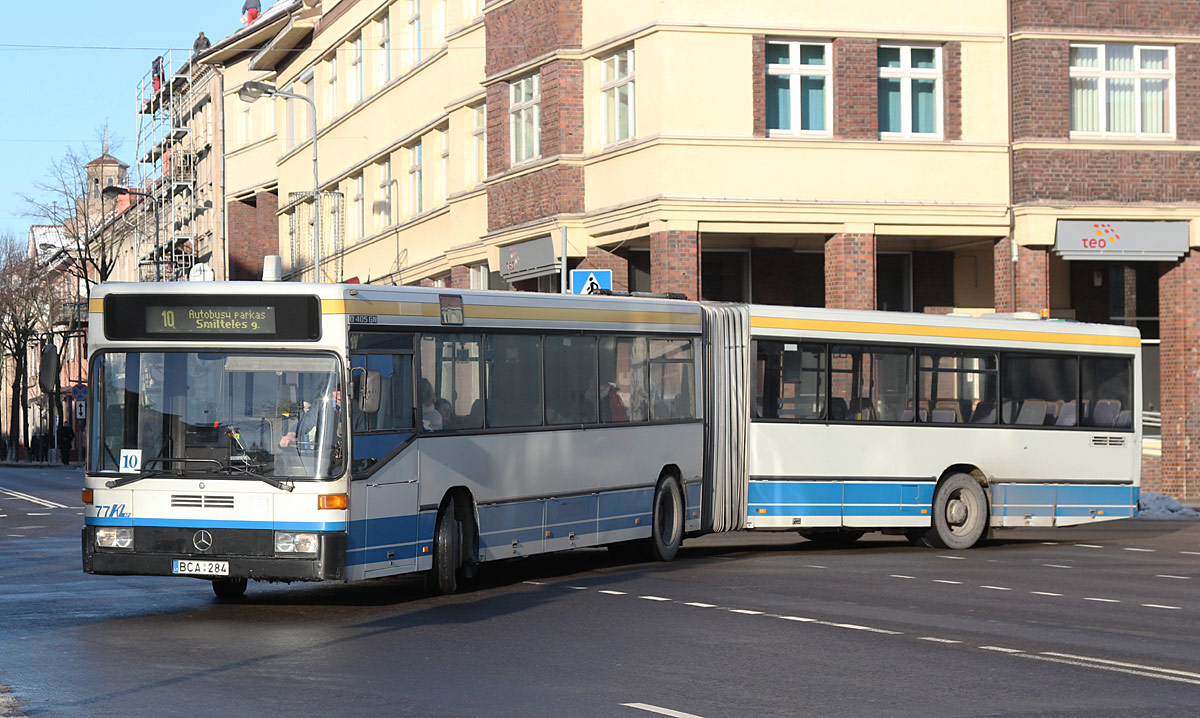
(383, 460)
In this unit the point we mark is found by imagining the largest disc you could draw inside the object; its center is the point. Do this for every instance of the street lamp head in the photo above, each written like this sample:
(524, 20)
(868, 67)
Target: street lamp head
(113, 191)
(251, 91)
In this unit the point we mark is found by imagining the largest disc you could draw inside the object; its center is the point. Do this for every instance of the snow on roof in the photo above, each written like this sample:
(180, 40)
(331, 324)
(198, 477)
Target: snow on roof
(276, 11)
(52, 235)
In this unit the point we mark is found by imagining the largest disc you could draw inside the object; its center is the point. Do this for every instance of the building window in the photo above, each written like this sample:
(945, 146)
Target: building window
(331, 88)
(441, 282)
(439, 21)
(444, 175)
(910, 91)
(310, 91)
(477, 168)
(525, 118)
(356, 69)
(247, 124)
(479, 276)
(798, 80)
(472, 9)
(414, 30)
(415, 179)
(617, 83)
(358, 208)
(1122, 90)
(289, 121)
(384, 67)
(383, 217)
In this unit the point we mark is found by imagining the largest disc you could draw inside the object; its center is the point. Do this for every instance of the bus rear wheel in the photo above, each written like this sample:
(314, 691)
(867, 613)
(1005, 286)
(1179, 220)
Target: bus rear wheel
(667, 529)
(960, 513)
(229, 589)
(447, 552)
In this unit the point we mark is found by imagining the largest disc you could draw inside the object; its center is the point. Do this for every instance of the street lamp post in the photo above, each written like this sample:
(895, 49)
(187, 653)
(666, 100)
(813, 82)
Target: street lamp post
(114, 191)
(250, 92)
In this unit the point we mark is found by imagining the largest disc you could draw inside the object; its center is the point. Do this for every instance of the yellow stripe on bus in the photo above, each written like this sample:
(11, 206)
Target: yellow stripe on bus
(481, 311)
(909, 330)
(96, 306)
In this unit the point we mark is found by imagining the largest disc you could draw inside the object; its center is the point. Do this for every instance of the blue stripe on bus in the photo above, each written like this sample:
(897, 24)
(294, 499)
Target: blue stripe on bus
(835, 498)
(210, 524)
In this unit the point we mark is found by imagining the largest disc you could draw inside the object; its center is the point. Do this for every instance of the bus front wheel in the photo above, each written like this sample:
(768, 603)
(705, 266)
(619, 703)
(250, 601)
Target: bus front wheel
(667, 529)
(229, 589)
(447, 552)
(960, 513)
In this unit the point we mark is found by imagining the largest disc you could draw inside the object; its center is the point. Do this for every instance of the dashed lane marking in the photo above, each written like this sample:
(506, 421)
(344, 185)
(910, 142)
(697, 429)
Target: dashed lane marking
(1178, 578)
(1191, 553)
(613, 593)
(1088, 545)
(1000, 649)
(1141, 550)
(654, 598)
(898, 575)
(1101, 600)
(1056, 565)
(953, 558)
(697, 604)
(745, 611)
(659, 710)
(952, 583)
(809, 565)
(996, 588)
(1046, 593)
(1156, 605)
(935, 639)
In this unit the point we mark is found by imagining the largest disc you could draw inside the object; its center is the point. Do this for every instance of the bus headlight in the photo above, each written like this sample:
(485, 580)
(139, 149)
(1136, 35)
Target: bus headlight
(112, 537)
(288, 542)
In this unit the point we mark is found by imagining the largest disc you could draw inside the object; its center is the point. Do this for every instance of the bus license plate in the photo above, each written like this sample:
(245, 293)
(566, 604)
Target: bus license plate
(202, 568)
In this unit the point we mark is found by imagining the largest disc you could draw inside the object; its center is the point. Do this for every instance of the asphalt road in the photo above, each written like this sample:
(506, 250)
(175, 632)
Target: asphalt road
(1099, 620)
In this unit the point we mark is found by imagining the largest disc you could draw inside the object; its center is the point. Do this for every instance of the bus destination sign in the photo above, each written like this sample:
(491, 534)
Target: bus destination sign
(165, 319)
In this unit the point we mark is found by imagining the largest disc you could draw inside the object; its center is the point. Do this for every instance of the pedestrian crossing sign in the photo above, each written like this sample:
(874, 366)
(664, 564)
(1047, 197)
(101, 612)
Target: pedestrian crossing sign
(590, 281)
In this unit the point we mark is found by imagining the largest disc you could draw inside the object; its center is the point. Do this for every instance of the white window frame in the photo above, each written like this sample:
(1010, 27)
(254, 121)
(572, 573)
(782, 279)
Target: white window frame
(331, 79)
(416, 176)
(358, 213)
(383, 218)
(906, 73)
(797, 72)
(247, 124)
(356, 70)
(440, 20)
(477, 173)
(289, 130)
(610, 83)
(1137, 75)
(471, 10)
(308, 79)
(384, 66)
(524, 149)
(414, 31)
(479, 275)
(444, 175)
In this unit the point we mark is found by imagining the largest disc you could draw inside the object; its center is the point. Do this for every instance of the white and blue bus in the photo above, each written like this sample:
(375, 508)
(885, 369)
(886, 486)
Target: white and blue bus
(297, 432)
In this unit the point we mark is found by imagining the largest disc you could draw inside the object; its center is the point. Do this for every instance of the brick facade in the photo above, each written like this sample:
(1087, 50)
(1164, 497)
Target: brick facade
(1106, 176)
(253, 234)
(1031, 275)
(1041, 90)
(675, 262)
(758, 83)
(850, 271)
(855, 88)
(524, 30)
(562, 108)
(1179, 326)
(598, 258)
(1144, 17)
(542, 194)
(952, 90)
(460, 277)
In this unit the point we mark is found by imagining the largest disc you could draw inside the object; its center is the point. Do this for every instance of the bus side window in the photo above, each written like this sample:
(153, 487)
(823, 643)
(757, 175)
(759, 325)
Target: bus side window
(671, 380)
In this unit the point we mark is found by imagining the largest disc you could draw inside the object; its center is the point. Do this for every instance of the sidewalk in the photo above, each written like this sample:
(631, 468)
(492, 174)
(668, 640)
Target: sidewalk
(41, 464)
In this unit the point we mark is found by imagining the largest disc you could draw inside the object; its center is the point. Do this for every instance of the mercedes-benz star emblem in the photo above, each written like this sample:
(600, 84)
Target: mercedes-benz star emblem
(202, 540)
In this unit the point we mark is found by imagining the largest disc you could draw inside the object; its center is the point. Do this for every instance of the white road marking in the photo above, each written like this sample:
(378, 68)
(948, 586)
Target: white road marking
(1049, 543)
(745, 612)
(953, 558)
(16, 535)
(45, 503)
(1101, 600)
(897, 575)
(1109, 662)
(1165, 674)
(613, 593)
(952, 583)
(659, 710)
(1156, 605)
(697, 604)
(1143, 550)
(809, 565)
(800, 619)
(578, 588)
(654, 598)
(37, 514)
(1167, 575)
(1088, 545)
(935, 639)
(1000, 649)
(996, 588)
(856, 627)
(534, 583)
(1191, 553)
(1045, 593)
(1056, 565)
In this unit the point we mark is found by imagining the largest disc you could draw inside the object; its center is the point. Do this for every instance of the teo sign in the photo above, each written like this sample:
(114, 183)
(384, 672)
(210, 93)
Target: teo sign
(1121, 241)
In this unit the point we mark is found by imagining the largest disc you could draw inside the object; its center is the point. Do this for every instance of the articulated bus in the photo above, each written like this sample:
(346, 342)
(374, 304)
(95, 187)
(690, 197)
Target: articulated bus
(298, 432)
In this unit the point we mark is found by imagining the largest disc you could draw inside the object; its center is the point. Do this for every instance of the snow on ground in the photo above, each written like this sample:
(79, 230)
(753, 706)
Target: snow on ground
(1159, 507)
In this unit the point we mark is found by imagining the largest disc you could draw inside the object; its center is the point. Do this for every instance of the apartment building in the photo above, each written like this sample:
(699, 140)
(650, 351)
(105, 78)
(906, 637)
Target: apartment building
(947, 157)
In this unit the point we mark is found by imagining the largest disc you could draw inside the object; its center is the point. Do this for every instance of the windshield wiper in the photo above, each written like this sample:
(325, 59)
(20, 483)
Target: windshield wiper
(281, 485)
(125, 480)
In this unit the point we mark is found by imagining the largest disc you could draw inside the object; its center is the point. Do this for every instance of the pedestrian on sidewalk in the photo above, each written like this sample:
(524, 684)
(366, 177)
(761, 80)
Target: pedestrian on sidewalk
(66, 435)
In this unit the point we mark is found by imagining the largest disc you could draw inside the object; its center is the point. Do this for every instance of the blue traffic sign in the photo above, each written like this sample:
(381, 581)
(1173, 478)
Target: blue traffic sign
(79, 392)
(590, 281)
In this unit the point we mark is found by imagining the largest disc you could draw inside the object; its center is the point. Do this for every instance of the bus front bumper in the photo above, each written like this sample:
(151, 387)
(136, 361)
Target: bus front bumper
(249, 554)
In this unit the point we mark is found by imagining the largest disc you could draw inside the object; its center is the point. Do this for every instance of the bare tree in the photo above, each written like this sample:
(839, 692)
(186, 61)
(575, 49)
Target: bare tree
(24, 316)
(71, 197)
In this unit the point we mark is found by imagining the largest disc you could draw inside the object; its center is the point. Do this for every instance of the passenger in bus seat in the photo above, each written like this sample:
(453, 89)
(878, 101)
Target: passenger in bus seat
(612, 406)
(450, 422)
(431, 418)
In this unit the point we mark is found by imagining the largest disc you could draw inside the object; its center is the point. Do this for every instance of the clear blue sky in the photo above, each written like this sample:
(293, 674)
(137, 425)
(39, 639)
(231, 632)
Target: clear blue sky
(88, 58)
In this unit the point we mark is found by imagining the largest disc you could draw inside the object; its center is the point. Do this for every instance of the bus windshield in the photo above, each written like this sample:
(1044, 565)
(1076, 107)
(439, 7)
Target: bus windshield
(216, 413)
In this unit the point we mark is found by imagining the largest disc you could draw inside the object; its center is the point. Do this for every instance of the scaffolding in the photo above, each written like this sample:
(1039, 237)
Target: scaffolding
(167, 147)
(332, 237)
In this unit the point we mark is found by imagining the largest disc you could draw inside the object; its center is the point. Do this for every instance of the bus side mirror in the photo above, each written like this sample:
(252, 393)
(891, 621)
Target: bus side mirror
(48, 369)
(370, 385)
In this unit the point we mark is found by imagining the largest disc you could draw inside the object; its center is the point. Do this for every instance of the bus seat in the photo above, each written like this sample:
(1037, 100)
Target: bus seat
(1008, 410)
(985, 412)
(1033, 413)
(837, 408)
(1066, 415)
(1105, 412)
(1124, 419)
(861, 409)
(943, 416)
(1052, 408)
(951, 406)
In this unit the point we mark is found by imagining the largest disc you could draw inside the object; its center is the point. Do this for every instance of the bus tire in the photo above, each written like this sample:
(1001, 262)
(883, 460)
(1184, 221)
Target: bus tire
(447, 552)
(960, 513)
(666, 533)
(838, 538)
(229, 589)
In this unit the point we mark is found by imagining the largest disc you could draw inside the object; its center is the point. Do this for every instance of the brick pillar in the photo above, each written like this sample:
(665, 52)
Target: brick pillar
(675, 262)
(600, 259)
(243, 228)
(1032, 276)
(460, 277)
(758, 83)
(1002, 274)
(1179, 330)
(850, 271)
(856, 88)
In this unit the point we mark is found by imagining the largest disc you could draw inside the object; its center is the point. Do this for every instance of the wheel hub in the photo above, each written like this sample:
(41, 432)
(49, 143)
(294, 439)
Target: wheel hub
(956, 512)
